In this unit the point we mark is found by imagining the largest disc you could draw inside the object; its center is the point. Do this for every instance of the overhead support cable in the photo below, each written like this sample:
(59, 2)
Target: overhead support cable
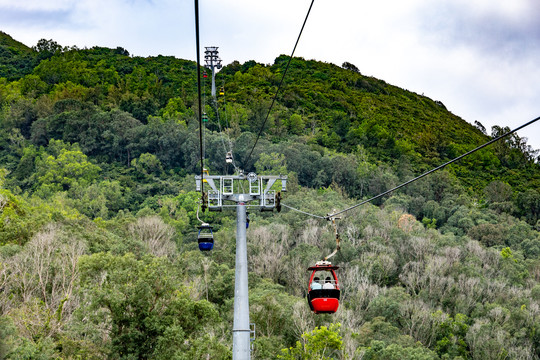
(330, 216)
(222, 132)
(220, 129)
(228, 126)
(303, 212)
(199, 92)
(438, 167)
(279, 87)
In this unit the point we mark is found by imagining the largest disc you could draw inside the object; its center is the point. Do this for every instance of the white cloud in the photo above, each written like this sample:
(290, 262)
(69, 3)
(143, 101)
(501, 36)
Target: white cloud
(516, 9)
(37, 4)
(478, 57)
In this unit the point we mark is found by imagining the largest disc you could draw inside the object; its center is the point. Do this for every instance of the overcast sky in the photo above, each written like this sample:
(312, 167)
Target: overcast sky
(479, 57)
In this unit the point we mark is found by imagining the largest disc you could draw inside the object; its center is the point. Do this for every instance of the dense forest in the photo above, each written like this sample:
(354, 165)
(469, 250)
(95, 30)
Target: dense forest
(98, 214)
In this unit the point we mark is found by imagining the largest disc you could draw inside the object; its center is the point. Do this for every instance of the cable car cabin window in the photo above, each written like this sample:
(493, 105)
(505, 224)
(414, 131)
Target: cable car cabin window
(324, 280)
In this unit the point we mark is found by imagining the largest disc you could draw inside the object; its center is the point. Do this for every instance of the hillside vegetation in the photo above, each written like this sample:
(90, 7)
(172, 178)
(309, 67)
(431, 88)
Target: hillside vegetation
(98, 214)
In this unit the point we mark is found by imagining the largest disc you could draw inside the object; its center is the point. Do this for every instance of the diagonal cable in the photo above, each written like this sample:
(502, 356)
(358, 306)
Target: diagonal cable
(279, 87)
(303, 212)
(329, 216)
(438, 167)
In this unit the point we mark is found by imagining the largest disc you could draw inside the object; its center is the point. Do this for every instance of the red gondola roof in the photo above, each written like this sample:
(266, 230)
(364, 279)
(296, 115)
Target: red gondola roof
(323, 267)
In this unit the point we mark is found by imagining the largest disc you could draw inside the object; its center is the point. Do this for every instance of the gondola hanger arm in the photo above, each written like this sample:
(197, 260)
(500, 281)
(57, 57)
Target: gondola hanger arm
(333, 220)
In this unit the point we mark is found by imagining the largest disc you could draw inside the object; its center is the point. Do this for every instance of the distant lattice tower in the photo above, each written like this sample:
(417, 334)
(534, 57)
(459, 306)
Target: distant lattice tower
(213, 62)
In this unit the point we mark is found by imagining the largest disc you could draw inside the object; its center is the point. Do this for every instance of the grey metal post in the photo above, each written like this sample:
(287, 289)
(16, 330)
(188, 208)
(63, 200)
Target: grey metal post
(241, 330)
(213, 82)
(221, 191)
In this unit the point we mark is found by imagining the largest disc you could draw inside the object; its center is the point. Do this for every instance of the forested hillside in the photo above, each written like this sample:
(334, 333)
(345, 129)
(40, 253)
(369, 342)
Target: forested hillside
(98, 214)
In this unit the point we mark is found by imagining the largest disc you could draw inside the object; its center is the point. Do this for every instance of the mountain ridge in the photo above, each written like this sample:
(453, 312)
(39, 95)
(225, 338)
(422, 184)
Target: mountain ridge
(7, 40)
(99, 215)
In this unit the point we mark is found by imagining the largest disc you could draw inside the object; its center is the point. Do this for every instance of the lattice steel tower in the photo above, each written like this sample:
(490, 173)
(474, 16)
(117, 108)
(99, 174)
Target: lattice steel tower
(213, 62)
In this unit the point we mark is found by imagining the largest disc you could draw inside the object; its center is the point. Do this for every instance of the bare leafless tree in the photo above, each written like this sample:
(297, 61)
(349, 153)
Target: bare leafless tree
(349, 320)
(206, 266)
(155, 234)
(303, 320)
(357, 288)
(40, 285)
(420, 321)
(470, 292)
(297, 276)
(354, 234)
(3, 201)
(453, 255)
(412, 275)
(311, 233)
(268, 245)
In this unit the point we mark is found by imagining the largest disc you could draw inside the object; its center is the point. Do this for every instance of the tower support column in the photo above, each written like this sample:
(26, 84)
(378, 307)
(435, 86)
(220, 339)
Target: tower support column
(241, 330)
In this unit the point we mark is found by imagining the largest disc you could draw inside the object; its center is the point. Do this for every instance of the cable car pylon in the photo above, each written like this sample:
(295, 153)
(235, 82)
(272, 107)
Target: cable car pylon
(213, 62)
(223, 194)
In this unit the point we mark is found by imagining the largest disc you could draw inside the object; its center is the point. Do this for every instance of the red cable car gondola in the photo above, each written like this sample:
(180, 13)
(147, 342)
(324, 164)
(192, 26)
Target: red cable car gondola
(323, 289)
(204, 75)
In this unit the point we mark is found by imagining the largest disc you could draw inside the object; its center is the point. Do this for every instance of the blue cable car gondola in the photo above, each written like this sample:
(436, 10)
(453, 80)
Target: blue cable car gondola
(205, 237)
